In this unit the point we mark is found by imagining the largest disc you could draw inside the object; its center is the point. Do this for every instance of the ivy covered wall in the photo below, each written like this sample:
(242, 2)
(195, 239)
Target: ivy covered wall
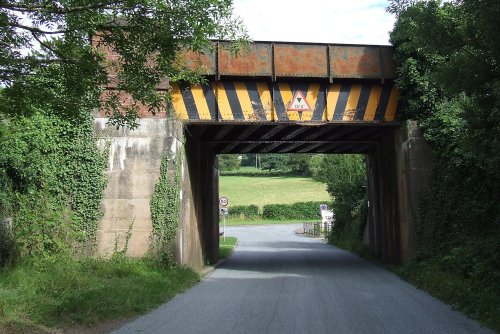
(51, 182)
(165, 206)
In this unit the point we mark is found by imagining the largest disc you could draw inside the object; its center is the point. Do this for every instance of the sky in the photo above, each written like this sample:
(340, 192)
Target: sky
(318, 21)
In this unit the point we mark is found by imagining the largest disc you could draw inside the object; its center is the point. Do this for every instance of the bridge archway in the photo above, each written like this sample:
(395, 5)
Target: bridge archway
(387, 232)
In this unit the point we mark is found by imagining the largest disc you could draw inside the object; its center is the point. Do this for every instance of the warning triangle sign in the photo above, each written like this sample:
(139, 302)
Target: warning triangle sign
(299, 102)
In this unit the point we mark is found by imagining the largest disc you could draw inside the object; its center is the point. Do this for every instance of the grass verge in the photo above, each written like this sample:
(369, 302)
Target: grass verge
(227, 246)
(476, 299)
(63, 292)
(356, 247)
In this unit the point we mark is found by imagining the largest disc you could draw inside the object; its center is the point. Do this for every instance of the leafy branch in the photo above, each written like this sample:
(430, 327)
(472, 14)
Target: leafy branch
(82, 36)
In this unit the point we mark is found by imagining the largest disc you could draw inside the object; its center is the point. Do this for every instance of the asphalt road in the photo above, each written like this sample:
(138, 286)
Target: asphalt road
(278, 282)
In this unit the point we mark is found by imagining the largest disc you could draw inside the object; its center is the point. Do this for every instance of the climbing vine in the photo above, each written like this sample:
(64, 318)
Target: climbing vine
(51, 171)
(53, 180)
(165, 207)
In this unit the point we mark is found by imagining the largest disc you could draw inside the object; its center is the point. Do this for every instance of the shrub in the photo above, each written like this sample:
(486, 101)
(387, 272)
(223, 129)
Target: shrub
(51, 177)
(299, 210)
(244, 211)
(228, 162)
(276, 211)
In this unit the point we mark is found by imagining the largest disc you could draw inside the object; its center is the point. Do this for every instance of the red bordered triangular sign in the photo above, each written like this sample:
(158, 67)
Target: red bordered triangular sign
(299, 102)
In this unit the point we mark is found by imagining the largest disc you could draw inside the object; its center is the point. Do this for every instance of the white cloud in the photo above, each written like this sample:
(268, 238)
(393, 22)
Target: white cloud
(320, 21)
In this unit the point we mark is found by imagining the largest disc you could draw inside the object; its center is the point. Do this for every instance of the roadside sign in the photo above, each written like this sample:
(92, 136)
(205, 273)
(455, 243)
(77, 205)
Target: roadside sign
(223, 201)
(223, 212)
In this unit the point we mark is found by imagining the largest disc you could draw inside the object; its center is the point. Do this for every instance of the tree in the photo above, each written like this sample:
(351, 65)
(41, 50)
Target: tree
(67, 37)
(449, 75)
(448, 59)
(228, 162)
(248, 159)
(274, 161)
(299, 164)
(396, 7)
(345, 177)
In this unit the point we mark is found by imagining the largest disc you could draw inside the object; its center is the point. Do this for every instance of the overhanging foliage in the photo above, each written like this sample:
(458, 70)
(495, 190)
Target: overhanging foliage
(145, 35)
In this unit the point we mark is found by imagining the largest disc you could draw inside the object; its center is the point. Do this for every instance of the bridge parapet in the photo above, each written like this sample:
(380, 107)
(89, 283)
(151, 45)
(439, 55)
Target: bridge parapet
(297, 60)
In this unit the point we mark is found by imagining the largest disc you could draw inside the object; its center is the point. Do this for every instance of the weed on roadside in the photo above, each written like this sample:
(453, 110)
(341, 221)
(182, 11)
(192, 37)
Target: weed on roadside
(61, 291)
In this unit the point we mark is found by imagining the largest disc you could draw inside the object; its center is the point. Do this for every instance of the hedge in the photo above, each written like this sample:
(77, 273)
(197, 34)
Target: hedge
(244, 211)
(299, 210)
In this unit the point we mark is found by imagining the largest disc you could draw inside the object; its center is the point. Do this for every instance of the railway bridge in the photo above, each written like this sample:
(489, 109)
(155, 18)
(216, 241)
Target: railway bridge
(274, 98)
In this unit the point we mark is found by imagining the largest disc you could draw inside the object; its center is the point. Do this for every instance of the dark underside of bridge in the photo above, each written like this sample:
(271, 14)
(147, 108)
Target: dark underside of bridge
(330, 138)
(378, 140)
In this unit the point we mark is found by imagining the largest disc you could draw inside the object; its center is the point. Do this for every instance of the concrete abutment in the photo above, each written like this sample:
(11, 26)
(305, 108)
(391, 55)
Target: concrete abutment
(399, 169)
(134, 160)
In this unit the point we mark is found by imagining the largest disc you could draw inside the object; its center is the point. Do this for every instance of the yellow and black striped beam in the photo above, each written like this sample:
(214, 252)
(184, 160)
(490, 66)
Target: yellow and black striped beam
(262, 101)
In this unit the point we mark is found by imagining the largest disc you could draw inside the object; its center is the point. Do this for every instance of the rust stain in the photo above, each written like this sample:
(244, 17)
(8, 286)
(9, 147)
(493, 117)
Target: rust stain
(196, 60)
(300, 60)
(255, 61)
(355, 62)
(290, 60)
(388, 65)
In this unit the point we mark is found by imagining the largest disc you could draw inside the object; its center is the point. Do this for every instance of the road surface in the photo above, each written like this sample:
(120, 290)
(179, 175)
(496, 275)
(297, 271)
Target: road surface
(279, 282)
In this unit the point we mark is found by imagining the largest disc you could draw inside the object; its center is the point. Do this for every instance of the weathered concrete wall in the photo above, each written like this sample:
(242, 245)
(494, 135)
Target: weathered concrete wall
(133, 169)
(399, 168)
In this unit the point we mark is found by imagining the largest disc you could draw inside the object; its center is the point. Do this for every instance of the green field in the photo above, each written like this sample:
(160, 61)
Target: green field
(244, 190)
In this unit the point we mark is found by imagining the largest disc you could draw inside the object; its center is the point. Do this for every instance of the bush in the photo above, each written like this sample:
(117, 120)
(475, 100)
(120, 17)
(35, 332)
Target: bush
(349, 228)
(228, 162)
(300, 164)
(51, 177)
(276, 211)
(6, 241)
(244, 211)
(345, 176)
(299, 210)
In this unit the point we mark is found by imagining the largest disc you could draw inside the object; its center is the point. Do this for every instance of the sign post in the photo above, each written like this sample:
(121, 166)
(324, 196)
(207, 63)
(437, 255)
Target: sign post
(224, 228)
(223, 202)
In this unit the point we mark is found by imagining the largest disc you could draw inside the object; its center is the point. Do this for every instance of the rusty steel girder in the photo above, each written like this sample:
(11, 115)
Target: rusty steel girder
(301, 60)
(296, 60)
